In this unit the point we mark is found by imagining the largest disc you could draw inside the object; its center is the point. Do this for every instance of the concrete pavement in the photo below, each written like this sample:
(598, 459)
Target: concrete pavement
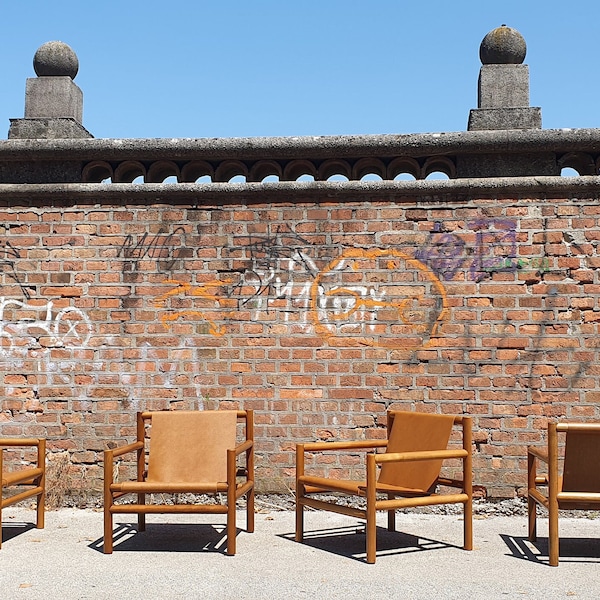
(184, 557)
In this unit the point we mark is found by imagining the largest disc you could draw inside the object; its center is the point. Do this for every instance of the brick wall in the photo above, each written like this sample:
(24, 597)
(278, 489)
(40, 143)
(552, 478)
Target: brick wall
(320, 316)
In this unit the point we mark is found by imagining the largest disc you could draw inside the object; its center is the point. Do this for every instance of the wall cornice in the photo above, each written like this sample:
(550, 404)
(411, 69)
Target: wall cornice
(450, 191)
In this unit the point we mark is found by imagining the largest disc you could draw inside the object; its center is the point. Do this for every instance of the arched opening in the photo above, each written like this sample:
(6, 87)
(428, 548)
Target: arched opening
(335, 170)
(97, 172)
(238, 179)
(405, 177)
(306, 177)
(371, 177)
(569, 172)
(437, 175)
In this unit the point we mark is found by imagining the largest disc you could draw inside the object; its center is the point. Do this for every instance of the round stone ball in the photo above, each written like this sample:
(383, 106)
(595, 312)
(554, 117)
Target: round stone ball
(55, 59)
(503, 46)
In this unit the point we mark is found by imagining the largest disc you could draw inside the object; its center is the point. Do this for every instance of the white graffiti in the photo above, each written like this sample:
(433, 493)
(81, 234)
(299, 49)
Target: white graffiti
(282, 280)
(25, 327)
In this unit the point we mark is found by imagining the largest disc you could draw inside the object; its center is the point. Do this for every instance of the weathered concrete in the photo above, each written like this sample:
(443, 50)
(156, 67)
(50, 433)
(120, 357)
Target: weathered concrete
(183, 557)
(472, 154)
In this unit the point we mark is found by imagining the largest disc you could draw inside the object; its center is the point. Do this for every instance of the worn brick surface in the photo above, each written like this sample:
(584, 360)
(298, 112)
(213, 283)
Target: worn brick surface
(319, 317)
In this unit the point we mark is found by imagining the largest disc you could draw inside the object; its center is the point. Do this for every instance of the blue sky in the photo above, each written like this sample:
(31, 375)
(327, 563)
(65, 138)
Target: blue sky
(234, 68)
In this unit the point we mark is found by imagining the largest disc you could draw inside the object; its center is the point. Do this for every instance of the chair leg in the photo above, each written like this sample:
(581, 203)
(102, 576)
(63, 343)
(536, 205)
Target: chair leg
(553, 542)
(391, 516)
(108, 522)
(41, 500)
(231, 528)
(108, 530)
(532, 519)
(468, 525)
(391, 520)
(250, 511)
(299, 521)
(371, 535)
(371, 510)
(141, 518)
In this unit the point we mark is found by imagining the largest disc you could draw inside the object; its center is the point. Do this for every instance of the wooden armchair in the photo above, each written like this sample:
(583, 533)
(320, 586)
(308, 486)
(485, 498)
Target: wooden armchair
(577, 488)
(33, 478)
(411, 463)
(192, 453)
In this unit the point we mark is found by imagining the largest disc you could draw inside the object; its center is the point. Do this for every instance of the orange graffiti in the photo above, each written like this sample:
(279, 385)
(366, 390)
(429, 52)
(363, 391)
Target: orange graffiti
(207, 291)
(340, 299)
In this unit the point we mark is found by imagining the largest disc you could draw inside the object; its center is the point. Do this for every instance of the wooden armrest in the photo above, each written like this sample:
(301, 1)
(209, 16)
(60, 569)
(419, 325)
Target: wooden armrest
(119, 451)
(351, 445)
(581, 427)
(418, 456)
(13, 442)
(539, 453)
(243, 447)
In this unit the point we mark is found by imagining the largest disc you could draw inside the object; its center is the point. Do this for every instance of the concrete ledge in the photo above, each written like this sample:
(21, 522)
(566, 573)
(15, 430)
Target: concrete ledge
(389, 145)
(450, 191)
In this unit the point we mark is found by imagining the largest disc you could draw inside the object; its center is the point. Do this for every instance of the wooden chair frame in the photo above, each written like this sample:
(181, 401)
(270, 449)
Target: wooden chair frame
(555, 499)
(33, 478)
(232, 490)
(306, 484)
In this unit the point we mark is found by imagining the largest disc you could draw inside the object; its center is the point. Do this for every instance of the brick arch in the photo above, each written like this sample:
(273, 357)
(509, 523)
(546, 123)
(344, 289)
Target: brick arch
(129, 170)
(401, 165)
(264, 168)
(229, 169)
(368, 166)
(195, 169)
(332, 167)
(440, 164)
(297, 168)
(581, 162)
(96, 172)
(160, 170)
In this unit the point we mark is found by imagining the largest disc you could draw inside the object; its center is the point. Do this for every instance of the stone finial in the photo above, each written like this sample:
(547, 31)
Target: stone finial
(53, 102)
(55, 59)
(503, 88)
(503, 46)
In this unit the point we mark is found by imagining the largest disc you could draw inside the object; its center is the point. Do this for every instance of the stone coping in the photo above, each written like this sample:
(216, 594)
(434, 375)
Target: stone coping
(310, 147)
(239, 193)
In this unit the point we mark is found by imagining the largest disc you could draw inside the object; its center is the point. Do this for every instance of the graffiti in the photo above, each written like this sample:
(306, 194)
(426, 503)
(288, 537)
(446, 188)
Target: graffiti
(403, 304)
(159, 247)
(281, 268)
(208, 291)
(8, 255)
(380, 297)
(22, 329)
(494, 250)
(384, 297)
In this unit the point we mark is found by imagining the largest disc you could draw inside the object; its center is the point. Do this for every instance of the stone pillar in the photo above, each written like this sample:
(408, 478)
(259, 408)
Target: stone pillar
(53, 102)
(503, 89)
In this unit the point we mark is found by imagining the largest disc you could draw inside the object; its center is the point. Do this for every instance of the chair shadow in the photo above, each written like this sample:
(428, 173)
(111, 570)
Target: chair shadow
(350, 542)
(13, 529)
(580, 550)
(167, 537)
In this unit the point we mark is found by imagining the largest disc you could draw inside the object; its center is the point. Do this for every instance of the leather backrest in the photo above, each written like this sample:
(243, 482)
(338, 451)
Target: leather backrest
(411, 432)
(191, 447)
(581, 470)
